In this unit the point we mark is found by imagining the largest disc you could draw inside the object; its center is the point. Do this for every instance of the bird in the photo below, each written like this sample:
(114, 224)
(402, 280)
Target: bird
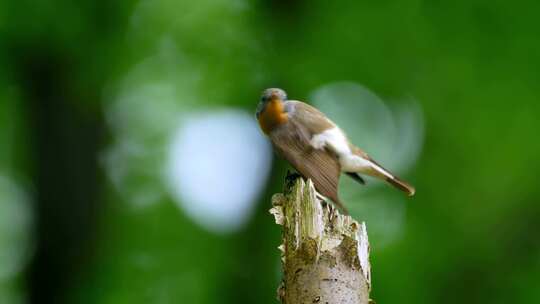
(316, 147)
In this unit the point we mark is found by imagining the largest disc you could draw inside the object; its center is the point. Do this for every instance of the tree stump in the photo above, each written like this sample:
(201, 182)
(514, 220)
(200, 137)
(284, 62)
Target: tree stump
(324, 254)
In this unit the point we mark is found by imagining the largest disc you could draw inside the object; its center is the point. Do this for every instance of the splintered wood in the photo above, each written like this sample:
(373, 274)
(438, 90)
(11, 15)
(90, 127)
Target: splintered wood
(324, 254)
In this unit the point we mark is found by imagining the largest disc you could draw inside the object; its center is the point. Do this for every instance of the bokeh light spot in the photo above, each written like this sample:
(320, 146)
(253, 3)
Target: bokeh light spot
(16, 245)
(15, 229)
(218, 164)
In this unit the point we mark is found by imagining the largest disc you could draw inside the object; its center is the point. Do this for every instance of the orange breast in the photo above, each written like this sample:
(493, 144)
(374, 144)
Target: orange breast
(272, 116)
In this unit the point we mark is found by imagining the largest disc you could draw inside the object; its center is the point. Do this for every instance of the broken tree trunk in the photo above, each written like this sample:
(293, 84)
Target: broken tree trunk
(324, 254)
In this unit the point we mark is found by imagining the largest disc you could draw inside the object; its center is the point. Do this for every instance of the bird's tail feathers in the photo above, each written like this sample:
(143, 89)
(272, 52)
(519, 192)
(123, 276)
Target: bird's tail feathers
(401, 185)
(380, 172)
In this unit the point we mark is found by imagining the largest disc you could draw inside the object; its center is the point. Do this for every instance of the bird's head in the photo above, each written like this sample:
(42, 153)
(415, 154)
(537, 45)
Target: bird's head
(270, 95)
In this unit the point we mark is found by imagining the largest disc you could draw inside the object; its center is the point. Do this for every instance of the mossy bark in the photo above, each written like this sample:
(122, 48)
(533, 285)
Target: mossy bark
(325, 255)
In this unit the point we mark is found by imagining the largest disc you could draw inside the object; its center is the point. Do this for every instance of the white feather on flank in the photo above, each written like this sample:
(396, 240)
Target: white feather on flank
(336, 140)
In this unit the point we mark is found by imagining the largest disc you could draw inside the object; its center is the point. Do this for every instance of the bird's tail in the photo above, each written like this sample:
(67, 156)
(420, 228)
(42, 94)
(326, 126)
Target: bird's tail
(380, 172)
(401, 185)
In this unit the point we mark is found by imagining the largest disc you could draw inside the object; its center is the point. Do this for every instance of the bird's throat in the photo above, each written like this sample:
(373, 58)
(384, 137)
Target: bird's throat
(272, 116)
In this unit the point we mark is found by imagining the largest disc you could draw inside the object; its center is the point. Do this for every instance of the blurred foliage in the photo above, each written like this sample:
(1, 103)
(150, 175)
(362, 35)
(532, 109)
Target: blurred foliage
(67, 67)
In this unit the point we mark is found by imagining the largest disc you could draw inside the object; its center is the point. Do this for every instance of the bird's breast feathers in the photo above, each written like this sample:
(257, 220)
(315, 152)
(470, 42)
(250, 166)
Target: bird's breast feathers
(272, 117)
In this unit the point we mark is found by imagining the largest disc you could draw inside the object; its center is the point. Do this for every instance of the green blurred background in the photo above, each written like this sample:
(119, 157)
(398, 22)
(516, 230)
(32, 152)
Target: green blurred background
(132, 169)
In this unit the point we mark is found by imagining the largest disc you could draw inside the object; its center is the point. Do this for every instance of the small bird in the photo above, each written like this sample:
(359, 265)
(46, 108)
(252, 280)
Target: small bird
(315, 146)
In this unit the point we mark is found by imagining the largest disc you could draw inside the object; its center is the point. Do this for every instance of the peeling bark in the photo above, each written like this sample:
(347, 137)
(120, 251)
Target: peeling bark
(324, 254)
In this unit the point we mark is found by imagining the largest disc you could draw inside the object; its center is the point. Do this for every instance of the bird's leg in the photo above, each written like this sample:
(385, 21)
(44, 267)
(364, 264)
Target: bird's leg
(291, 178)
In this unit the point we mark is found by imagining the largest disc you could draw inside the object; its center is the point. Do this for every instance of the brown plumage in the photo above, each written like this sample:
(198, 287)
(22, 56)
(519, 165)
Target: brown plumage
(315, 146)
(321, 166)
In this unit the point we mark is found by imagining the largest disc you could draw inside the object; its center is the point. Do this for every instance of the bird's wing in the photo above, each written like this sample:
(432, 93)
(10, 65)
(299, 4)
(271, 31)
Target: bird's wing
(321, 166)
(314, 120)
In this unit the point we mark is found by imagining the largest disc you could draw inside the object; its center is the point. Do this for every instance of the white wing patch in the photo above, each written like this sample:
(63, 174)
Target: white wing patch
(334, 139)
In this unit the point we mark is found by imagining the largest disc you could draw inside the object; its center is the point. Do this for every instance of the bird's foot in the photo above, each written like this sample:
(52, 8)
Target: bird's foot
(291, 178)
